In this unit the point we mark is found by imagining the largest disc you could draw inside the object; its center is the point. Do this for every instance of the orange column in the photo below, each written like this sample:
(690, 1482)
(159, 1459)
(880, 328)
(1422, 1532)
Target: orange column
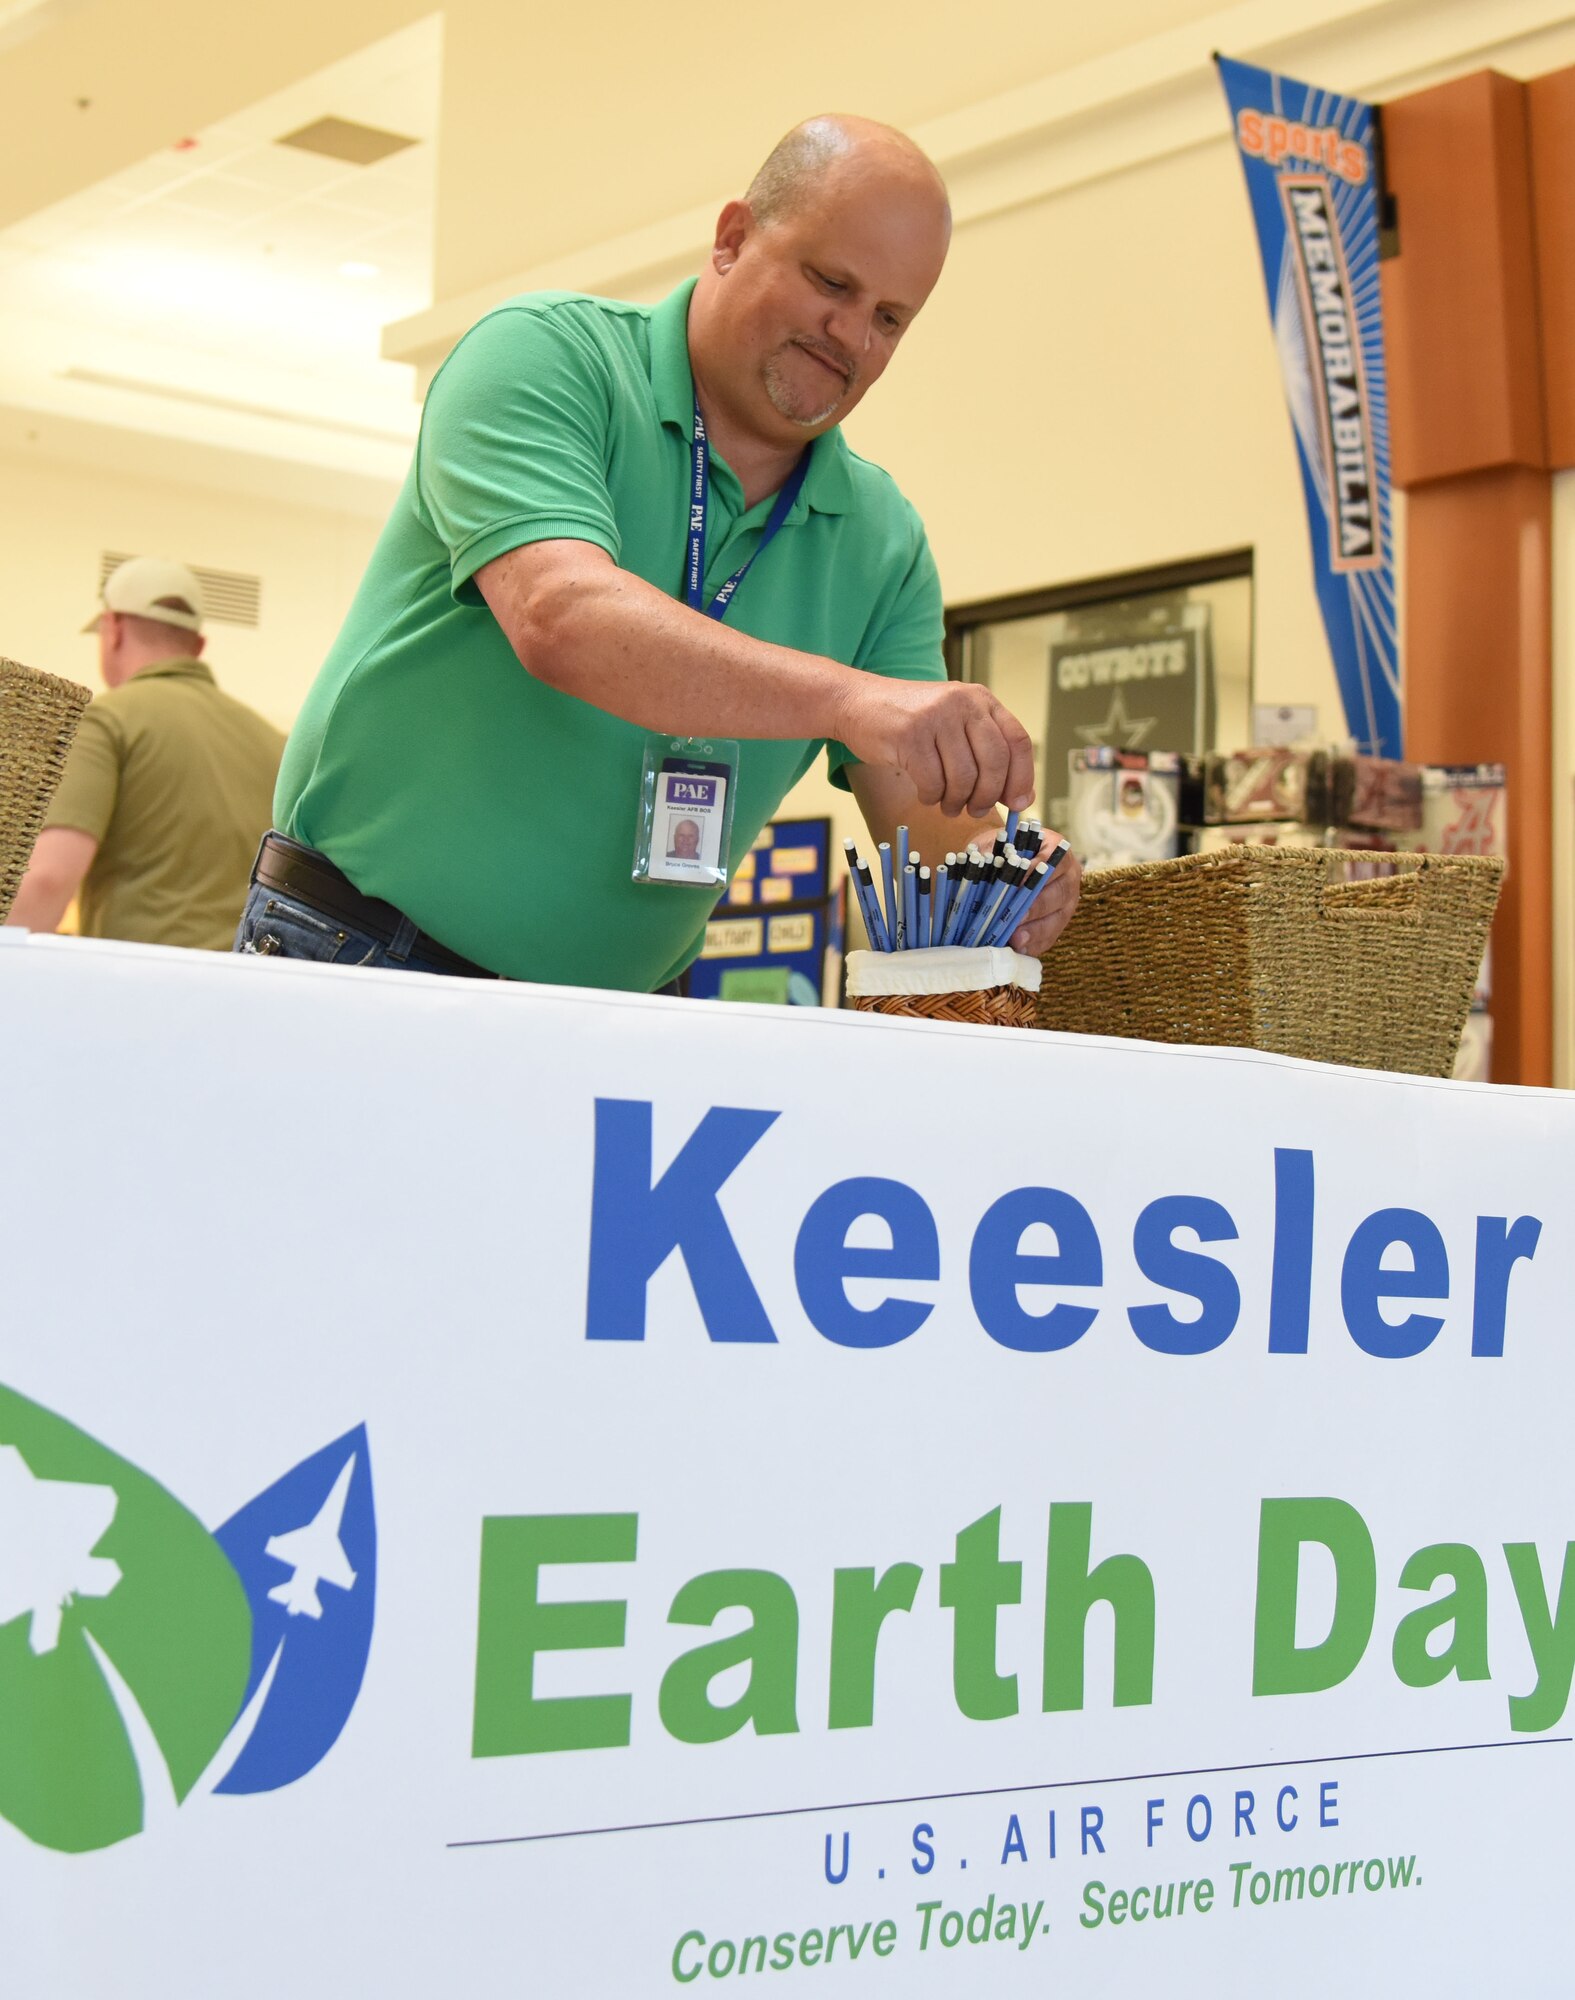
(1551, 100)
(1469, 440)
(1479, 687)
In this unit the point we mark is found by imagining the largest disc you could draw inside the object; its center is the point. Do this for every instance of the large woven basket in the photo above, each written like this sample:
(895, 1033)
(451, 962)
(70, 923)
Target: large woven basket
(1277, 948)
(38, 718)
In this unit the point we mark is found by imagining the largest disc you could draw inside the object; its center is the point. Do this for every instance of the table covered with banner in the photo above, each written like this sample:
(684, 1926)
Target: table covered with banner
(510, 1491)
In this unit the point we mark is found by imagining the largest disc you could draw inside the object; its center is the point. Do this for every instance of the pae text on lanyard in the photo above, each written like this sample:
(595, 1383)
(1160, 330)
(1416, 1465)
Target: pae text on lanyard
(699, 491)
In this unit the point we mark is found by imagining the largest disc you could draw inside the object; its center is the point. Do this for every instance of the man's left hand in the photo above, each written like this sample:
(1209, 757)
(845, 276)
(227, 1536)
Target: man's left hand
(1051, 910)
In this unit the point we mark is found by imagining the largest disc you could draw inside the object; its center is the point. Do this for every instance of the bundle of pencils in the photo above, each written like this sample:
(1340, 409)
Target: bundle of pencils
(971, 898)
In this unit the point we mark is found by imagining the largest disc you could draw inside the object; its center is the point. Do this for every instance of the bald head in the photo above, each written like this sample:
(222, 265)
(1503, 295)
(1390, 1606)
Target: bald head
(803, 164)
(814, 278)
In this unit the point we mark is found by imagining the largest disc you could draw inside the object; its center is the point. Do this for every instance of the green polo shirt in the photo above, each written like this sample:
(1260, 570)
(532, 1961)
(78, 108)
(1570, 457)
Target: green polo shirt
(174, 780)
(494, 811)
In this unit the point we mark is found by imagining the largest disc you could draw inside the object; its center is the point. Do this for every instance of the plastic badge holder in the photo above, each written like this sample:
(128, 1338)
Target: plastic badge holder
(685, 829)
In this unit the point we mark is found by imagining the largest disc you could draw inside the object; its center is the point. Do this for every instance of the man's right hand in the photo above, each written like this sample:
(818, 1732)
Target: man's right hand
(954, 742)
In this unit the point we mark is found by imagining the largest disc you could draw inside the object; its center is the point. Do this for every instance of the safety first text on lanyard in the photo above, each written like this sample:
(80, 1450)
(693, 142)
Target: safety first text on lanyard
(699, 493)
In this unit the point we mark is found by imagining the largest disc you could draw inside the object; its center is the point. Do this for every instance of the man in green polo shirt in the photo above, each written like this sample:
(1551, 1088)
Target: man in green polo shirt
(461, 790)
(168, 783)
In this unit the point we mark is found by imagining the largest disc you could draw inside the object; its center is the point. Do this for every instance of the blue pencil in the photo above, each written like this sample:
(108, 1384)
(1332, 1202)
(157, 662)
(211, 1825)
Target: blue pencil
(989, 896)
(893, 913)
(1026, 897)
(903, 856)
(869, 906)
(926, 907)
(943, 879)
(963, 902)
(956, 896)
(1012, 912)
(1017, 875)
(910, 907)
(969, 934)
(1011, 829)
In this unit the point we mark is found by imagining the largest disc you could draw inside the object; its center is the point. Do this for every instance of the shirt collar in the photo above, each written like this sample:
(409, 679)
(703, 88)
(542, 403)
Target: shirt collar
(178, 669)
(828, 485)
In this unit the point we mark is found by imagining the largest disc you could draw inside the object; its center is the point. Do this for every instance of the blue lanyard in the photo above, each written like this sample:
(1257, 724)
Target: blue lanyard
(699, 488)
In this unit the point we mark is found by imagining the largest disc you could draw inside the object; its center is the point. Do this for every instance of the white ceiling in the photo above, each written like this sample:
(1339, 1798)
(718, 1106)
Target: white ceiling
(230, 291)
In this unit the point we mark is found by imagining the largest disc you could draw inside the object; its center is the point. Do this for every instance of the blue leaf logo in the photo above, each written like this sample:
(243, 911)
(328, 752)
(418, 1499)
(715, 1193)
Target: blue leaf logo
(306, 1553)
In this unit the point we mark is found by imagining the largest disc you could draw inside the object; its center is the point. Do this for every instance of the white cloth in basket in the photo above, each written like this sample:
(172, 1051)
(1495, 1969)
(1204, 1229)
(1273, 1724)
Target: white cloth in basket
(942, 969)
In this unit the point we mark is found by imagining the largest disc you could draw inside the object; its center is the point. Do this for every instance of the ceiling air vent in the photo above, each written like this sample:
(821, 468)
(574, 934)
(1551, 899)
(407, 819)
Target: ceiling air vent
(343, 139)
(228, 596)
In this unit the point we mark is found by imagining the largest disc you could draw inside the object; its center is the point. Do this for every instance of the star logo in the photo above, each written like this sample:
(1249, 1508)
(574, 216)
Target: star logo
(1120, 730)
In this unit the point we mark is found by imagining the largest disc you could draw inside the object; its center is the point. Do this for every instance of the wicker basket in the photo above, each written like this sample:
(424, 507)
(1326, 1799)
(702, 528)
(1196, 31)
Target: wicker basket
(983, 986)
(38, 718)
(1275, 948)
(997, 1007)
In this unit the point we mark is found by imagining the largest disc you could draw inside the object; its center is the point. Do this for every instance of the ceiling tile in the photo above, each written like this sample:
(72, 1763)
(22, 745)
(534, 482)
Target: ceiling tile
(217, 267)
(219, 197)
(289, 172)
(93, 209)
(157, 175)
(373, 193)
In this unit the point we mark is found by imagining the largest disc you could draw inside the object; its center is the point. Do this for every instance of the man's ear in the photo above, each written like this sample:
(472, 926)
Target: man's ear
(734, 226)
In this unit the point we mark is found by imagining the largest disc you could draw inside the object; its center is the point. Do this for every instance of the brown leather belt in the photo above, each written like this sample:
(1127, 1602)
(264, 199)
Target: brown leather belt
(312, 878)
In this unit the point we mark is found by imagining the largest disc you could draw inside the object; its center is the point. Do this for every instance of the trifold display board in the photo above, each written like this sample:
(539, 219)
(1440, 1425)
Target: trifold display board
(777, 924)
(505, 1491)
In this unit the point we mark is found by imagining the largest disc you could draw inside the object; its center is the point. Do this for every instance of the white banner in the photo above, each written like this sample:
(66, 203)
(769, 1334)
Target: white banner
(505, 1491)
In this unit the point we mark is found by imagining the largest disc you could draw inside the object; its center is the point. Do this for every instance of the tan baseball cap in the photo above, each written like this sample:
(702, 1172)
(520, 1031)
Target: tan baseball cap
(152, 587)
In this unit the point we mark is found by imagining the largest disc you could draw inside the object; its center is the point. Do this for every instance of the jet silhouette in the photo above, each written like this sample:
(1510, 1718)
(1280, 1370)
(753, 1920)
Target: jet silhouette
(48, 1531)
(315, 1553)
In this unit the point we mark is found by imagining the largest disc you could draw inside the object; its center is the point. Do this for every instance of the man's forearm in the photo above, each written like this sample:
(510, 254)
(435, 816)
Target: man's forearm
(611, 638)
(581, 625)
(61, 859)
(40, 902)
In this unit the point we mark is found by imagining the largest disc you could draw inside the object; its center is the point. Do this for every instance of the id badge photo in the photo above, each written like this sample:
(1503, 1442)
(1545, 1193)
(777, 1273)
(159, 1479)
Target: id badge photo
(686, 811)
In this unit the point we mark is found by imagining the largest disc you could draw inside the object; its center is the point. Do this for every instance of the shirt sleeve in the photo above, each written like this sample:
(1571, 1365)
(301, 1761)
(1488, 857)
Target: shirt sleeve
(907, 644)
(514, 441)
(85, 797)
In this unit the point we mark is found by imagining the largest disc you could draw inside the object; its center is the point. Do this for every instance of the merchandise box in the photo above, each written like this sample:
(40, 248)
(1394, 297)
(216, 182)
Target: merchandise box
(1265, 833)
(1464, 812)
(1377, 792)
(1463, 809)
(1124, 805)
(1273, 784)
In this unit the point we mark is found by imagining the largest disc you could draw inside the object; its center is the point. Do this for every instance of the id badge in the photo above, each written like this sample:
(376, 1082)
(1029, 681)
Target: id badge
(686, 811)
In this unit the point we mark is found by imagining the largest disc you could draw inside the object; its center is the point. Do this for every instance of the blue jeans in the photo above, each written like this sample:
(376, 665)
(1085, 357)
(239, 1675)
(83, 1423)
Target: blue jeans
(277, 926)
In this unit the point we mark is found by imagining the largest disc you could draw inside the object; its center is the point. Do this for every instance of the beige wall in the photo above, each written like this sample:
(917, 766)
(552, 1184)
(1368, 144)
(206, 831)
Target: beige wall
(310, 561)
(560, 130)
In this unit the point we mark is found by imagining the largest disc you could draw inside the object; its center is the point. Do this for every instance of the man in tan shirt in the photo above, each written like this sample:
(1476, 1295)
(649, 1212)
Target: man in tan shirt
(168, 786)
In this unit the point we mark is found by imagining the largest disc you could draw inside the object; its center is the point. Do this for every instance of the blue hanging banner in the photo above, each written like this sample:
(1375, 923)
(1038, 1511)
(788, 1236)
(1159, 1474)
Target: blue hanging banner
(1309, 158)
